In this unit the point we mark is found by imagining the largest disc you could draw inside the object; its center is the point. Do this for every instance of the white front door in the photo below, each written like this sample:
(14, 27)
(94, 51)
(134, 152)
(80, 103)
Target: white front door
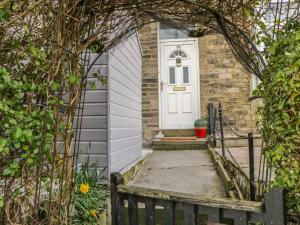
(179, 86)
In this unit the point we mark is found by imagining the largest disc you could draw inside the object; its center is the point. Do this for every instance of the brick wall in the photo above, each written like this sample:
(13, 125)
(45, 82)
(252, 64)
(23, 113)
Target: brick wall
(222, 79)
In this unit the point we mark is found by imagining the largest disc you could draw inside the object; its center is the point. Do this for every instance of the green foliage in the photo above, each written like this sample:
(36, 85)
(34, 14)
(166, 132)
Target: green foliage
(1, 201)
(280, 89)
(88, 206)
(200, 123)
(4, 12)
(22, 129)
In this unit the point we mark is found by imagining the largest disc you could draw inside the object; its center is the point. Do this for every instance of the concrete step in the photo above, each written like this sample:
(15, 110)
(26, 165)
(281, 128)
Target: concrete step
(179, 143)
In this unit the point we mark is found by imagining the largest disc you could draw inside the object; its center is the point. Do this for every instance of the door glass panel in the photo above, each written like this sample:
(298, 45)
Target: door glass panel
(172, 79)
(167, 32)
(186, 75)
(176, 53)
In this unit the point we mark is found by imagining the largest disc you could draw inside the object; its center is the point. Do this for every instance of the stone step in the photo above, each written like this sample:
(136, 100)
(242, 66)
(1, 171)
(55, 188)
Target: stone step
(179, 143)
(179, 133)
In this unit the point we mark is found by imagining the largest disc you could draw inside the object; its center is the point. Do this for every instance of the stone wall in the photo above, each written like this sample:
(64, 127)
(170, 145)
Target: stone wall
(148, 38)
(222, 79)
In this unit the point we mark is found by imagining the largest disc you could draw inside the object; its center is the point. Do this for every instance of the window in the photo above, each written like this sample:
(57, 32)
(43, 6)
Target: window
(178, 53)
(166, 32)
(255, 82)
(279, 11)
(172, 78)
(274, 11)
(186, 75)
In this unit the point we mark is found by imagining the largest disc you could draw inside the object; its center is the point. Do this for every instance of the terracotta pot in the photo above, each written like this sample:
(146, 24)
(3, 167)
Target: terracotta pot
(200, 132)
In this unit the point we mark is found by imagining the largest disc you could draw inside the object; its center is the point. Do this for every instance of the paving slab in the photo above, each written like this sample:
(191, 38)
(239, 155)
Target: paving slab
(187, 171)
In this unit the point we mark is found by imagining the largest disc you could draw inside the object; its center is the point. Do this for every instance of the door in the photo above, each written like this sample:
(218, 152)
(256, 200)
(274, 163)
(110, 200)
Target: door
(179, 86)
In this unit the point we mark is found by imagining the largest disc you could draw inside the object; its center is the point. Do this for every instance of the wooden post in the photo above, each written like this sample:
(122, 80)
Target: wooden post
(275, 206)
(169, 213)
(213, 214)
(150, 211)
(239, 217)
(133, 216)
(117, 202)
(190, 214)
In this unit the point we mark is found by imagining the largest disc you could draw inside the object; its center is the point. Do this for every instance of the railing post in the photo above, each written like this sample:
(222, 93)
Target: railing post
(210, 118)
(275, 206)
(117, 203)
(251, 167)
(222, 129)
(208, 114)
(214, 128)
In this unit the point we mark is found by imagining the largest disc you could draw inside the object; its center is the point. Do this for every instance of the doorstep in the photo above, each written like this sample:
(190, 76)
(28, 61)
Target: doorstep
(179, 143)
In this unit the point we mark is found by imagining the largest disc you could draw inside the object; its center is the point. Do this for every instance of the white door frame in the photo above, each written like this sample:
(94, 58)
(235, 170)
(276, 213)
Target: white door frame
(198, 112)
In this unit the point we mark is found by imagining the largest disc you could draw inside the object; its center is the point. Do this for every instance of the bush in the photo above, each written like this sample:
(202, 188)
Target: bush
(280, 89)
(200, 123)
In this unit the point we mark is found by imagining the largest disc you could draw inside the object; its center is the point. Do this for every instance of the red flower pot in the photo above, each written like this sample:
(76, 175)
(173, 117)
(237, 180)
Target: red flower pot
(200, 132)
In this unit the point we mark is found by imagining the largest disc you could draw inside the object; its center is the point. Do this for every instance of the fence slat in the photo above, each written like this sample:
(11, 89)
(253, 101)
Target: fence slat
(150, 211)
(240, 217)
(133, 210)
(169, 213)
(117, 201)
(190, 214)
(213, 214)
(275, 207)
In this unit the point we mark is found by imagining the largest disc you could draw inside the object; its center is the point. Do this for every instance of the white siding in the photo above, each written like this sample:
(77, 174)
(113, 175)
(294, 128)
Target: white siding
(125, 104)
(93, 134)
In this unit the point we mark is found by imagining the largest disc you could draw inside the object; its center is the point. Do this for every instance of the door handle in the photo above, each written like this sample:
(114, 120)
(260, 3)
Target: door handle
(161, 86)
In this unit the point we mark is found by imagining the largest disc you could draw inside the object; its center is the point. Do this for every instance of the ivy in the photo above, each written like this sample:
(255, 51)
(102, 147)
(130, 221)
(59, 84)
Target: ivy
(280, 89)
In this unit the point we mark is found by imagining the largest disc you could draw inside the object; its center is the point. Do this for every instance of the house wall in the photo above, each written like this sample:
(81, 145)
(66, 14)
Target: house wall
(148, 36)
(125, 104)
(93, 132)
(222, 79)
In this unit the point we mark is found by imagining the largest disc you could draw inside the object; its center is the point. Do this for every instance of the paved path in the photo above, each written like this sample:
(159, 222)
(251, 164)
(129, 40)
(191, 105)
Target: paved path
(189, 171)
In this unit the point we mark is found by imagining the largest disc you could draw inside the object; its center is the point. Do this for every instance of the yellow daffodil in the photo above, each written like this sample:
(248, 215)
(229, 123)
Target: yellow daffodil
(93, 213)
(58, 158)
(84, 188)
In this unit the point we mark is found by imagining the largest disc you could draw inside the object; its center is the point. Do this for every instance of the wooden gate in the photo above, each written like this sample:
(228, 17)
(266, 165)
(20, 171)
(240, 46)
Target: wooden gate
(269, 212)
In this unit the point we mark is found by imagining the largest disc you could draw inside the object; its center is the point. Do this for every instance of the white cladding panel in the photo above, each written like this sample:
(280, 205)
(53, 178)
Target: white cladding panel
(125, 104)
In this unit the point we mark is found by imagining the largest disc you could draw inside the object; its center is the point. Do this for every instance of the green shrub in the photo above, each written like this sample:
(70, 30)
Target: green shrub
(91, 194)
(200, 123)
(280, 90)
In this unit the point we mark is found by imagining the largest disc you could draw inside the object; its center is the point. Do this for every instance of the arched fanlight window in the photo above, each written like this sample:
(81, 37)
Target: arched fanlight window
(178, 53)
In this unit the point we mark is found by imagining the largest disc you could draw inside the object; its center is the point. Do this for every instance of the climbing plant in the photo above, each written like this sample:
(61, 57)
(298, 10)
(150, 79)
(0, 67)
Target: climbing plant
(44, 46)
(44, 50)
(280, 90)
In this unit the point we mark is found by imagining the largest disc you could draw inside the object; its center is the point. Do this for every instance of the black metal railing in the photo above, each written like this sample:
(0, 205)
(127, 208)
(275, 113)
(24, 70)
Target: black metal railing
(217, 127)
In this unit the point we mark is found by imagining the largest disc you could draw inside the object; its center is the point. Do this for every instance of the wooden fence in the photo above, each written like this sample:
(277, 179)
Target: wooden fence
(126, 197)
